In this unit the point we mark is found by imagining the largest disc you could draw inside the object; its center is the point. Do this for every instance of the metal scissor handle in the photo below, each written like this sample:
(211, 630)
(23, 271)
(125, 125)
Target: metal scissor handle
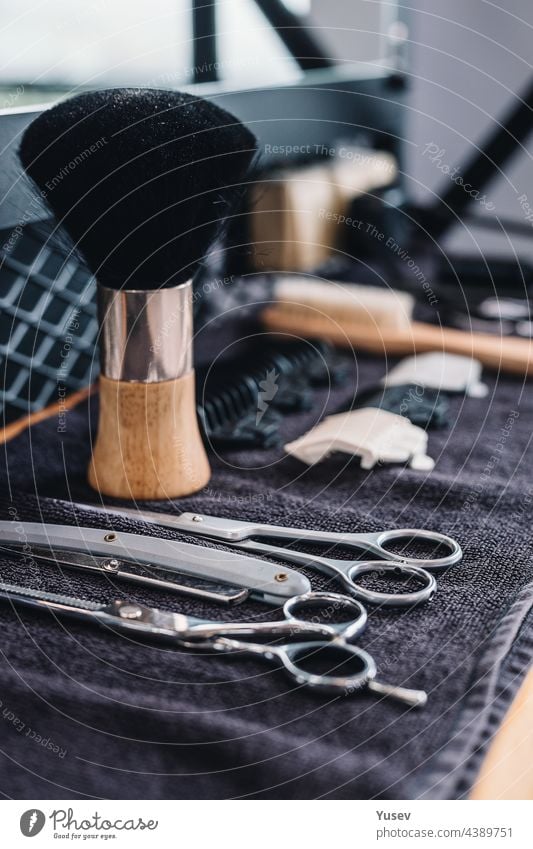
(295, 609)
(383, 599)
(301, 619)
(295, 656)
(347, 571)
(130, 616)
(236, 531)
(377, 542)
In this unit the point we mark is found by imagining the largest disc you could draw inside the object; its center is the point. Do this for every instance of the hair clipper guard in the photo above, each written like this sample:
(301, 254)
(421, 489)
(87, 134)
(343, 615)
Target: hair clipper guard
(373, 434)
(438, 370)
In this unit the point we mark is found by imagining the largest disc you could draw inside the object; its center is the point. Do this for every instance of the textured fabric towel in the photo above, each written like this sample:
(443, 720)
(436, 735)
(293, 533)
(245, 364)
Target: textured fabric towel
(85, 713)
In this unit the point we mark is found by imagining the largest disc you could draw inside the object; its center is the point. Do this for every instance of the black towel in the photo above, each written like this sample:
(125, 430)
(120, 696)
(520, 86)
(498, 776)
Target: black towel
(85, 713)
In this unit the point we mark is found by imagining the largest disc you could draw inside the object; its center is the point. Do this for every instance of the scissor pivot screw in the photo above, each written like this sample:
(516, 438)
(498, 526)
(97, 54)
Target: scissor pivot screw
(197, 519)
(110, 538)
(130, 611)
(281, 577)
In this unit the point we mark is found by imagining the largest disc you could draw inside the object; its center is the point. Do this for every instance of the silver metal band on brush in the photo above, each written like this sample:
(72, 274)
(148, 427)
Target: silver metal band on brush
(145, 336)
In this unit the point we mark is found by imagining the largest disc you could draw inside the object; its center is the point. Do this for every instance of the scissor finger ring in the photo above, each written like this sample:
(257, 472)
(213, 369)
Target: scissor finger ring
(384, 599)
(331, 606)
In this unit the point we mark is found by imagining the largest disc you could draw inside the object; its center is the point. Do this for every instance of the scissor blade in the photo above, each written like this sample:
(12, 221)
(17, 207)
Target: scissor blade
(145, 574)
(121, 614)
(151, 517)
(51, 601)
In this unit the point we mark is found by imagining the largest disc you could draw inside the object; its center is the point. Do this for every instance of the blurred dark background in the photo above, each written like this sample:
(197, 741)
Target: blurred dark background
(427, 84)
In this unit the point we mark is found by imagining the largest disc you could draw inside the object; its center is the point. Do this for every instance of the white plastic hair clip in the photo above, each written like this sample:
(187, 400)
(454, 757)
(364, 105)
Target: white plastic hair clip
(438, 370)
(373, 434)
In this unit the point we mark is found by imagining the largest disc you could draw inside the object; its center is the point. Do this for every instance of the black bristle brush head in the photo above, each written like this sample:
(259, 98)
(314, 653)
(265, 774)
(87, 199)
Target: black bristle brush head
(141, 180)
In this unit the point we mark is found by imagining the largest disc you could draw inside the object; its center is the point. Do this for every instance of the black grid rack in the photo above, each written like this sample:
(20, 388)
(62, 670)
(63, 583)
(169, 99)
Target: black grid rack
(48, 325)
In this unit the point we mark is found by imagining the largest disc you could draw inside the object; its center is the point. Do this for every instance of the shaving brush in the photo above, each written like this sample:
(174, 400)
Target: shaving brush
(141, 180)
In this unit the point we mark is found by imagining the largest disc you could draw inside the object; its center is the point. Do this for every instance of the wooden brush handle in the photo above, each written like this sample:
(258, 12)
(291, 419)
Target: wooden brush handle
(503, 353)
(148, 444)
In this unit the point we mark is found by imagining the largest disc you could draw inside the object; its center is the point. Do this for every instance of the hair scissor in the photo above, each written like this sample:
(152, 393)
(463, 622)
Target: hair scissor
(313, 638)
(240, 535)
(207, 573)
